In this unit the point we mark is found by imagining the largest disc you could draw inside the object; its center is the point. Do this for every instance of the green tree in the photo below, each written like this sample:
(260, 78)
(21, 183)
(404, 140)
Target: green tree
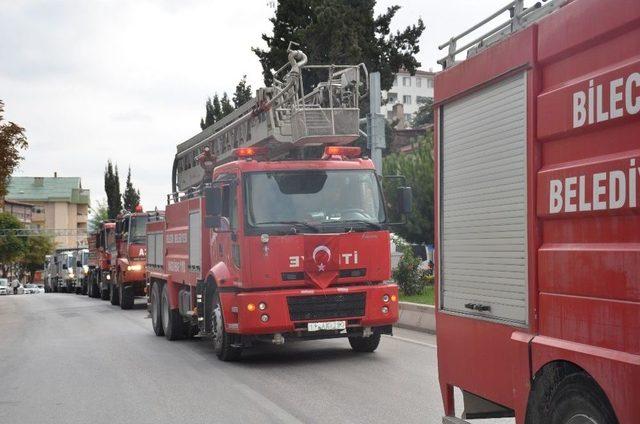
(217, 109)
(97, 214)
(12, 140)
(131, 196)
(243, 93)
(210, 117)
(227, 108)
(112, 189)
(341, 32)
(11, 246)
(36, 248)
(424, 116)
(417, 167)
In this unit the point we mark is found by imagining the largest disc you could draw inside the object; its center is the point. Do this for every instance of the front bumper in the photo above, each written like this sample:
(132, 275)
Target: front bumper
(282, 317)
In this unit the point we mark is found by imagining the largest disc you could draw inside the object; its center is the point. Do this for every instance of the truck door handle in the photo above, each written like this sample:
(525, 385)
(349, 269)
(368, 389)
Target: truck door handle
(477, 307)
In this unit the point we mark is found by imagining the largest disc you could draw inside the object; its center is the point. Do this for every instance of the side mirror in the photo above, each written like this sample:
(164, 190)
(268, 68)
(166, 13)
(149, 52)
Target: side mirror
(405, 200)
(213, 200)
(213, 206)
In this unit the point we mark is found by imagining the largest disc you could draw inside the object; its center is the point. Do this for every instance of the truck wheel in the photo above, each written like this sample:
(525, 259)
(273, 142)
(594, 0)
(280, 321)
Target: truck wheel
(126, 296)
(568, 395)
(223, 341)
(156, 313)
(172, 323)
(365, 344)
(95, 288)
(114, 297)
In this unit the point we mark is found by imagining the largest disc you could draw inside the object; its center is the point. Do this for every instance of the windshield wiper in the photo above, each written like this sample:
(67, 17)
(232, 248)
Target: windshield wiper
(293, 225)
(369, 224)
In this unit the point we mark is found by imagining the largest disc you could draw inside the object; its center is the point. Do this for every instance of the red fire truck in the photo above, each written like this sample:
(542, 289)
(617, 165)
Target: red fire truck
(259, 246)
(128, 269)
(538, 226)
(101, 244)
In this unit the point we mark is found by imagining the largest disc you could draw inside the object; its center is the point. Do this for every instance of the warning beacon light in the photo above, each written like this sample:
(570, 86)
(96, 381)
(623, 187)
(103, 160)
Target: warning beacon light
(341, 151)
(250, 152)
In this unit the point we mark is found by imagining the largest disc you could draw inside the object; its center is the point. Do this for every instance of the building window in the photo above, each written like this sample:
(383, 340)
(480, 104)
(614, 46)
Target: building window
(392, 97)
(406, 100)
(430, 82)
(418, 82)
(406, 81)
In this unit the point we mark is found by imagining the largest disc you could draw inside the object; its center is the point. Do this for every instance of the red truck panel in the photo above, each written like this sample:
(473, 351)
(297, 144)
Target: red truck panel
(583, 155)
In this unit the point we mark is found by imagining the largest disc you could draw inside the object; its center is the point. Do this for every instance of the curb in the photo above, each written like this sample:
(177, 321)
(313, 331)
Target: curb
(416, 316)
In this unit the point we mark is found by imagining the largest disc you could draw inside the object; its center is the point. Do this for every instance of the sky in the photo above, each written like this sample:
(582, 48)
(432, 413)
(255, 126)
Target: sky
(92, 80)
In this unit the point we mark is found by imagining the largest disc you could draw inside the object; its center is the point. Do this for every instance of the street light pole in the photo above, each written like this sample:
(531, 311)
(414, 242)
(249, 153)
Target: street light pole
(375, 122)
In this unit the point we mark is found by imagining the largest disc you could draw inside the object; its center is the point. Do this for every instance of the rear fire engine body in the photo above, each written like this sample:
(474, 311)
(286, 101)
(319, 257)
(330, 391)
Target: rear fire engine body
(128, 268)
(276, 250)
(537, 220)
(101, 245)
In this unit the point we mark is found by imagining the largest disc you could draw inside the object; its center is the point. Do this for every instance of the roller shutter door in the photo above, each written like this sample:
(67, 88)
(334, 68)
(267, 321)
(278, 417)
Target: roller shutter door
(483, 238)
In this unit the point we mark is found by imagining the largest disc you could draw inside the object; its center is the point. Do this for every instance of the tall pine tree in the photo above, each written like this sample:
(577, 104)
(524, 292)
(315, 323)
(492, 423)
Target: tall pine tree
(210, 117)
(341, 32)
(112, 190)
(226, 105)
(131, 196)
(243, 93)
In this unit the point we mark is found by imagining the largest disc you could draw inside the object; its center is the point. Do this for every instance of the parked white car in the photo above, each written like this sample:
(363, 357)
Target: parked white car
(4, 286)
(31, 289)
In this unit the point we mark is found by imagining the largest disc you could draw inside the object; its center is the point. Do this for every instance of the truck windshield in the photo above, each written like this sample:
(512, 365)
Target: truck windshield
(85, 258)
(138, 229)
(314, 197)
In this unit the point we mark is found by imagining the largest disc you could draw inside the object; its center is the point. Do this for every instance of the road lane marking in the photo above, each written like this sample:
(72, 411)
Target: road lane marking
(404, 339)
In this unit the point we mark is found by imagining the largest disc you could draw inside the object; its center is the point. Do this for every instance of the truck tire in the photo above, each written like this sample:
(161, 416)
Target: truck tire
(155, 298)
(172, 323)
(365, 344)
(223, 341)
(94, 290)
(564, 394)
(114, 297)
(126, 296)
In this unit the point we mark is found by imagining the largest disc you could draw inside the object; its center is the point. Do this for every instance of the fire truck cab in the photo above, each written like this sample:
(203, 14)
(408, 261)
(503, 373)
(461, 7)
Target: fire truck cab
(128, 268)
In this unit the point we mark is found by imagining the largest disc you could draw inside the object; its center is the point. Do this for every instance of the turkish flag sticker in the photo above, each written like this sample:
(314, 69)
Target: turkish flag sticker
(321, 258)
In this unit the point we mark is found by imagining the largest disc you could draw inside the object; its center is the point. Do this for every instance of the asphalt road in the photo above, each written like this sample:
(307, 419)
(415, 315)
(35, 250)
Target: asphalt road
(70, 359)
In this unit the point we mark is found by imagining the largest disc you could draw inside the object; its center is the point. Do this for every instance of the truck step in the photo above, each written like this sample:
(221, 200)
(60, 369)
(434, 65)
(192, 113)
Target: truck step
(454, 420)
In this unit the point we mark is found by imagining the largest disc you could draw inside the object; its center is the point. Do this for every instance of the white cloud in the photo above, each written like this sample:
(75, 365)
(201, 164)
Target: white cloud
(127, 81)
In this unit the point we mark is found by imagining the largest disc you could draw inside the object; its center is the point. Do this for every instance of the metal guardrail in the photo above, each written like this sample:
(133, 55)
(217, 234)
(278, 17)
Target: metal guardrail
(30, 232)
(520, 17)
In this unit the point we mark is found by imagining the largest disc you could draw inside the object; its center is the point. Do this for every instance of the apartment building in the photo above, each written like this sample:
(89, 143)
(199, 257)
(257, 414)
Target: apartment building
(59, 203)
(22, 211)
(410, 91)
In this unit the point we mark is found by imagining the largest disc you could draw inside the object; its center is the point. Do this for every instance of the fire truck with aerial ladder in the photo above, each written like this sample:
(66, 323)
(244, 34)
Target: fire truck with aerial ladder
(259, 244)
(537, 219)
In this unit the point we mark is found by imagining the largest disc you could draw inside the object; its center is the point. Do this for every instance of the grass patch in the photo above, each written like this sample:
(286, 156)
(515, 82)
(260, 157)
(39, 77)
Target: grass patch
(426, 297)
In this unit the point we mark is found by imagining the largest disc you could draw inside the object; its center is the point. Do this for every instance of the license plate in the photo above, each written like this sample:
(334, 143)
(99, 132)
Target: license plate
(330, 325)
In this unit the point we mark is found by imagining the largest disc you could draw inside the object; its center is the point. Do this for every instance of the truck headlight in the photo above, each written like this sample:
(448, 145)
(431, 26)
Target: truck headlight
(134, 267)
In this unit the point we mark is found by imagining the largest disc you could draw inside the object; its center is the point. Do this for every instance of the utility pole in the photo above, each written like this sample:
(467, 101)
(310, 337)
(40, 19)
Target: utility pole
(375, 122)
